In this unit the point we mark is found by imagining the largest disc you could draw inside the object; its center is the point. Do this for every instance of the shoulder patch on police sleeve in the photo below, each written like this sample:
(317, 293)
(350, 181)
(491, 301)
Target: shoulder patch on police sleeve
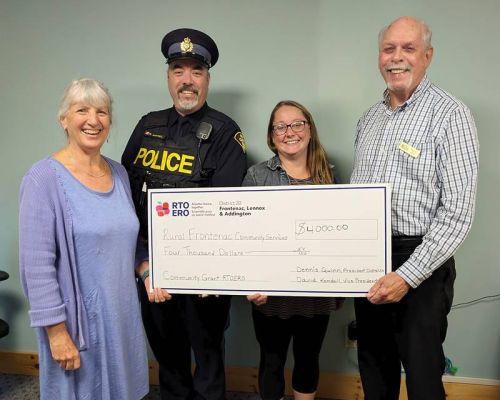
(240, 139)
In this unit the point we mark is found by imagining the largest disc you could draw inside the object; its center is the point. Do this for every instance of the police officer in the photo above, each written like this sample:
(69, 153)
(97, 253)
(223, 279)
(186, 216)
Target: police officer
(187, 145)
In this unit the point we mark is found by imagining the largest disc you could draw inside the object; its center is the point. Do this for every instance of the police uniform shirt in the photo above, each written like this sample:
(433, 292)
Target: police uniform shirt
(168, 148)
(226, 155)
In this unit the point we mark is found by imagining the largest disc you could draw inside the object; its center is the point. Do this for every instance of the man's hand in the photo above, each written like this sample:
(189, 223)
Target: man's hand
(257, 299)
(389, 289)
(63, 350)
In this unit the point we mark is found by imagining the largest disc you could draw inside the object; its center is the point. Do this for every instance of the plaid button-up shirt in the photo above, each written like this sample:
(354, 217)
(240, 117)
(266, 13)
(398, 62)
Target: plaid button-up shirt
(427, 150)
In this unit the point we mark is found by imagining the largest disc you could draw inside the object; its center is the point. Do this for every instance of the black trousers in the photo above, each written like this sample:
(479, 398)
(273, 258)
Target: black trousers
(174, 328)
(274, 335)
(410, 332)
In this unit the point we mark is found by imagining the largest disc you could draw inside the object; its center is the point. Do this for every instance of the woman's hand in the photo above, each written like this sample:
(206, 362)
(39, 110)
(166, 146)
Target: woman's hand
(257, 299)
(156, 295)
(63, 350)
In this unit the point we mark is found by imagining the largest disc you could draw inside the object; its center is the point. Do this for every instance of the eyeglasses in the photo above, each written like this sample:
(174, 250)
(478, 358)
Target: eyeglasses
(295, 126)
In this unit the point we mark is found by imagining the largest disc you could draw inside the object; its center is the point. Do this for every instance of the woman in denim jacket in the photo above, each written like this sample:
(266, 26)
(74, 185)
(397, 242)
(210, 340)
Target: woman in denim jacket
(299, 160)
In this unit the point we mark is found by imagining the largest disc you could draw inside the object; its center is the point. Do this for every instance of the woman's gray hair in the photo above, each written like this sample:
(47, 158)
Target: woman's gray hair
(427, 33)
(87, 91)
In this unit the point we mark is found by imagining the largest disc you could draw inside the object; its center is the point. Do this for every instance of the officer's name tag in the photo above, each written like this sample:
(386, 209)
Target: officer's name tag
(410, 150)
(313, 240)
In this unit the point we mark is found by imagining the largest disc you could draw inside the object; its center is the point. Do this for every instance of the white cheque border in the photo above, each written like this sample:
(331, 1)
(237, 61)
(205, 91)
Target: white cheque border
(191, 282)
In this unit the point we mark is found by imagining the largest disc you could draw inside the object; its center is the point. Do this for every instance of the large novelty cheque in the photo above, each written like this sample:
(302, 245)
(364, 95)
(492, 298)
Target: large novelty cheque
(324, 240)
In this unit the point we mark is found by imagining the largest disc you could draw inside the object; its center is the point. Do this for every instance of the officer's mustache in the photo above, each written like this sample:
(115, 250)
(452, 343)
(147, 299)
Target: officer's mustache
(188, 88)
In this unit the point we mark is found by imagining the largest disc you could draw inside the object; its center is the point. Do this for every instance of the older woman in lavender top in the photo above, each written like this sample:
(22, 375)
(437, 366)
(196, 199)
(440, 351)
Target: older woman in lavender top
(77, 236)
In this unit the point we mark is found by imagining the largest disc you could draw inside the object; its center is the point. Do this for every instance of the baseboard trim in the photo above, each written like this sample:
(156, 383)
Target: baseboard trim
(332, 385)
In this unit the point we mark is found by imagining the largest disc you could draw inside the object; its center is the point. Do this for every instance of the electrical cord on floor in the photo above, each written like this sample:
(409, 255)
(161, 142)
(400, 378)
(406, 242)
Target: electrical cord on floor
(466, 303)
(449, 368)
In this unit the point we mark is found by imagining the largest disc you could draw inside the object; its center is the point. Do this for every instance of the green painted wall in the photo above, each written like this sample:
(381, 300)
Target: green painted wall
(321, 53)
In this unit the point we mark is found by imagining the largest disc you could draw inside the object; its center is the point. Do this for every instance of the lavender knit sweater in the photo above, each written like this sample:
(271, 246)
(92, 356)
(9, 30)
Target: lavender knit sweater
(46, 251)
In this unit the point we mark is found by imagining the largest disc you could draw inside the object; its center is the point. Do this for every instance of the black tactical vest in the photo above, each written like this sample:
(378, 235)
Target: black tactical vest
(165, 161)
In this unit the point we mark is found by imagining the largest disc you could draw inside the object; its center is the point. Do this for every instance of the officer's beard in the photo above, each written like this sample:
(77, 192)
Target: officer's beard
(186, 105)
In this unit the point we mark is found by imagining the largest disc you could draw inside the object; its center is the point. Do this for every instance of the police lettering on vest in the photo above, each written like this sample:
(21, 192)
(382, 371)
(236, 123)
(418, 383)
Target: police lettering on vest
(163, 160)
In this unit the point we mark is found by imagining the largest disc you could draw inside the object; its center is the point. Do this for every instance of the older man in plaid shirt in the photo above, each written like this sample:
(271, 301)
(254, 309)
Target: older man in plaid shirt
(422, 141)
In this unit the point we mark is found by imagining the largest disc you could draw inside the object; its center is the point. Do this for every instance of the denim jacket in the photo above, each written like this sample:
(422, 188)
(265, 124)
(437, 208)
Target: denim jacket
(270, 173)
(266, 173)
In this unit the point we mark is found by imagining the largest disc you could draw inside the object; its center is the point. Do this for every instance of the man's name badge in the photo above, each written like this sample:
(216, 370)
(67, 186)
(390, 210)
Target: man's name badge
(408, 149)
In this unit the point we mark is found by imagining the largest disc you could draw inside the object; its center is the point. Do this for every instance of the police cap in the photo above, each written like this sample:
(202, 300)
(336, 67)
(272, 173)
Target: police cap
(190, 43)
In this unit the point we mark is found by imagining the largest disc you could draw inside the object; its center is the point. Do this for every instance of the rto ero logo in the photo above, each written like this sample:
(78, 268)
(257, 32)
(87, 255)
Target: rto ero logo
(177, 209)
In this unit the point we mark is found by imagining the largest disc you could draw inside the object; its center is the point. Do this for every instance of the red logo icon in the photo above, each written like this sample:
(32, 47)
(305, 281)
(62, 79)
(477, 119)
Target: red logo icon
(162, 209)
